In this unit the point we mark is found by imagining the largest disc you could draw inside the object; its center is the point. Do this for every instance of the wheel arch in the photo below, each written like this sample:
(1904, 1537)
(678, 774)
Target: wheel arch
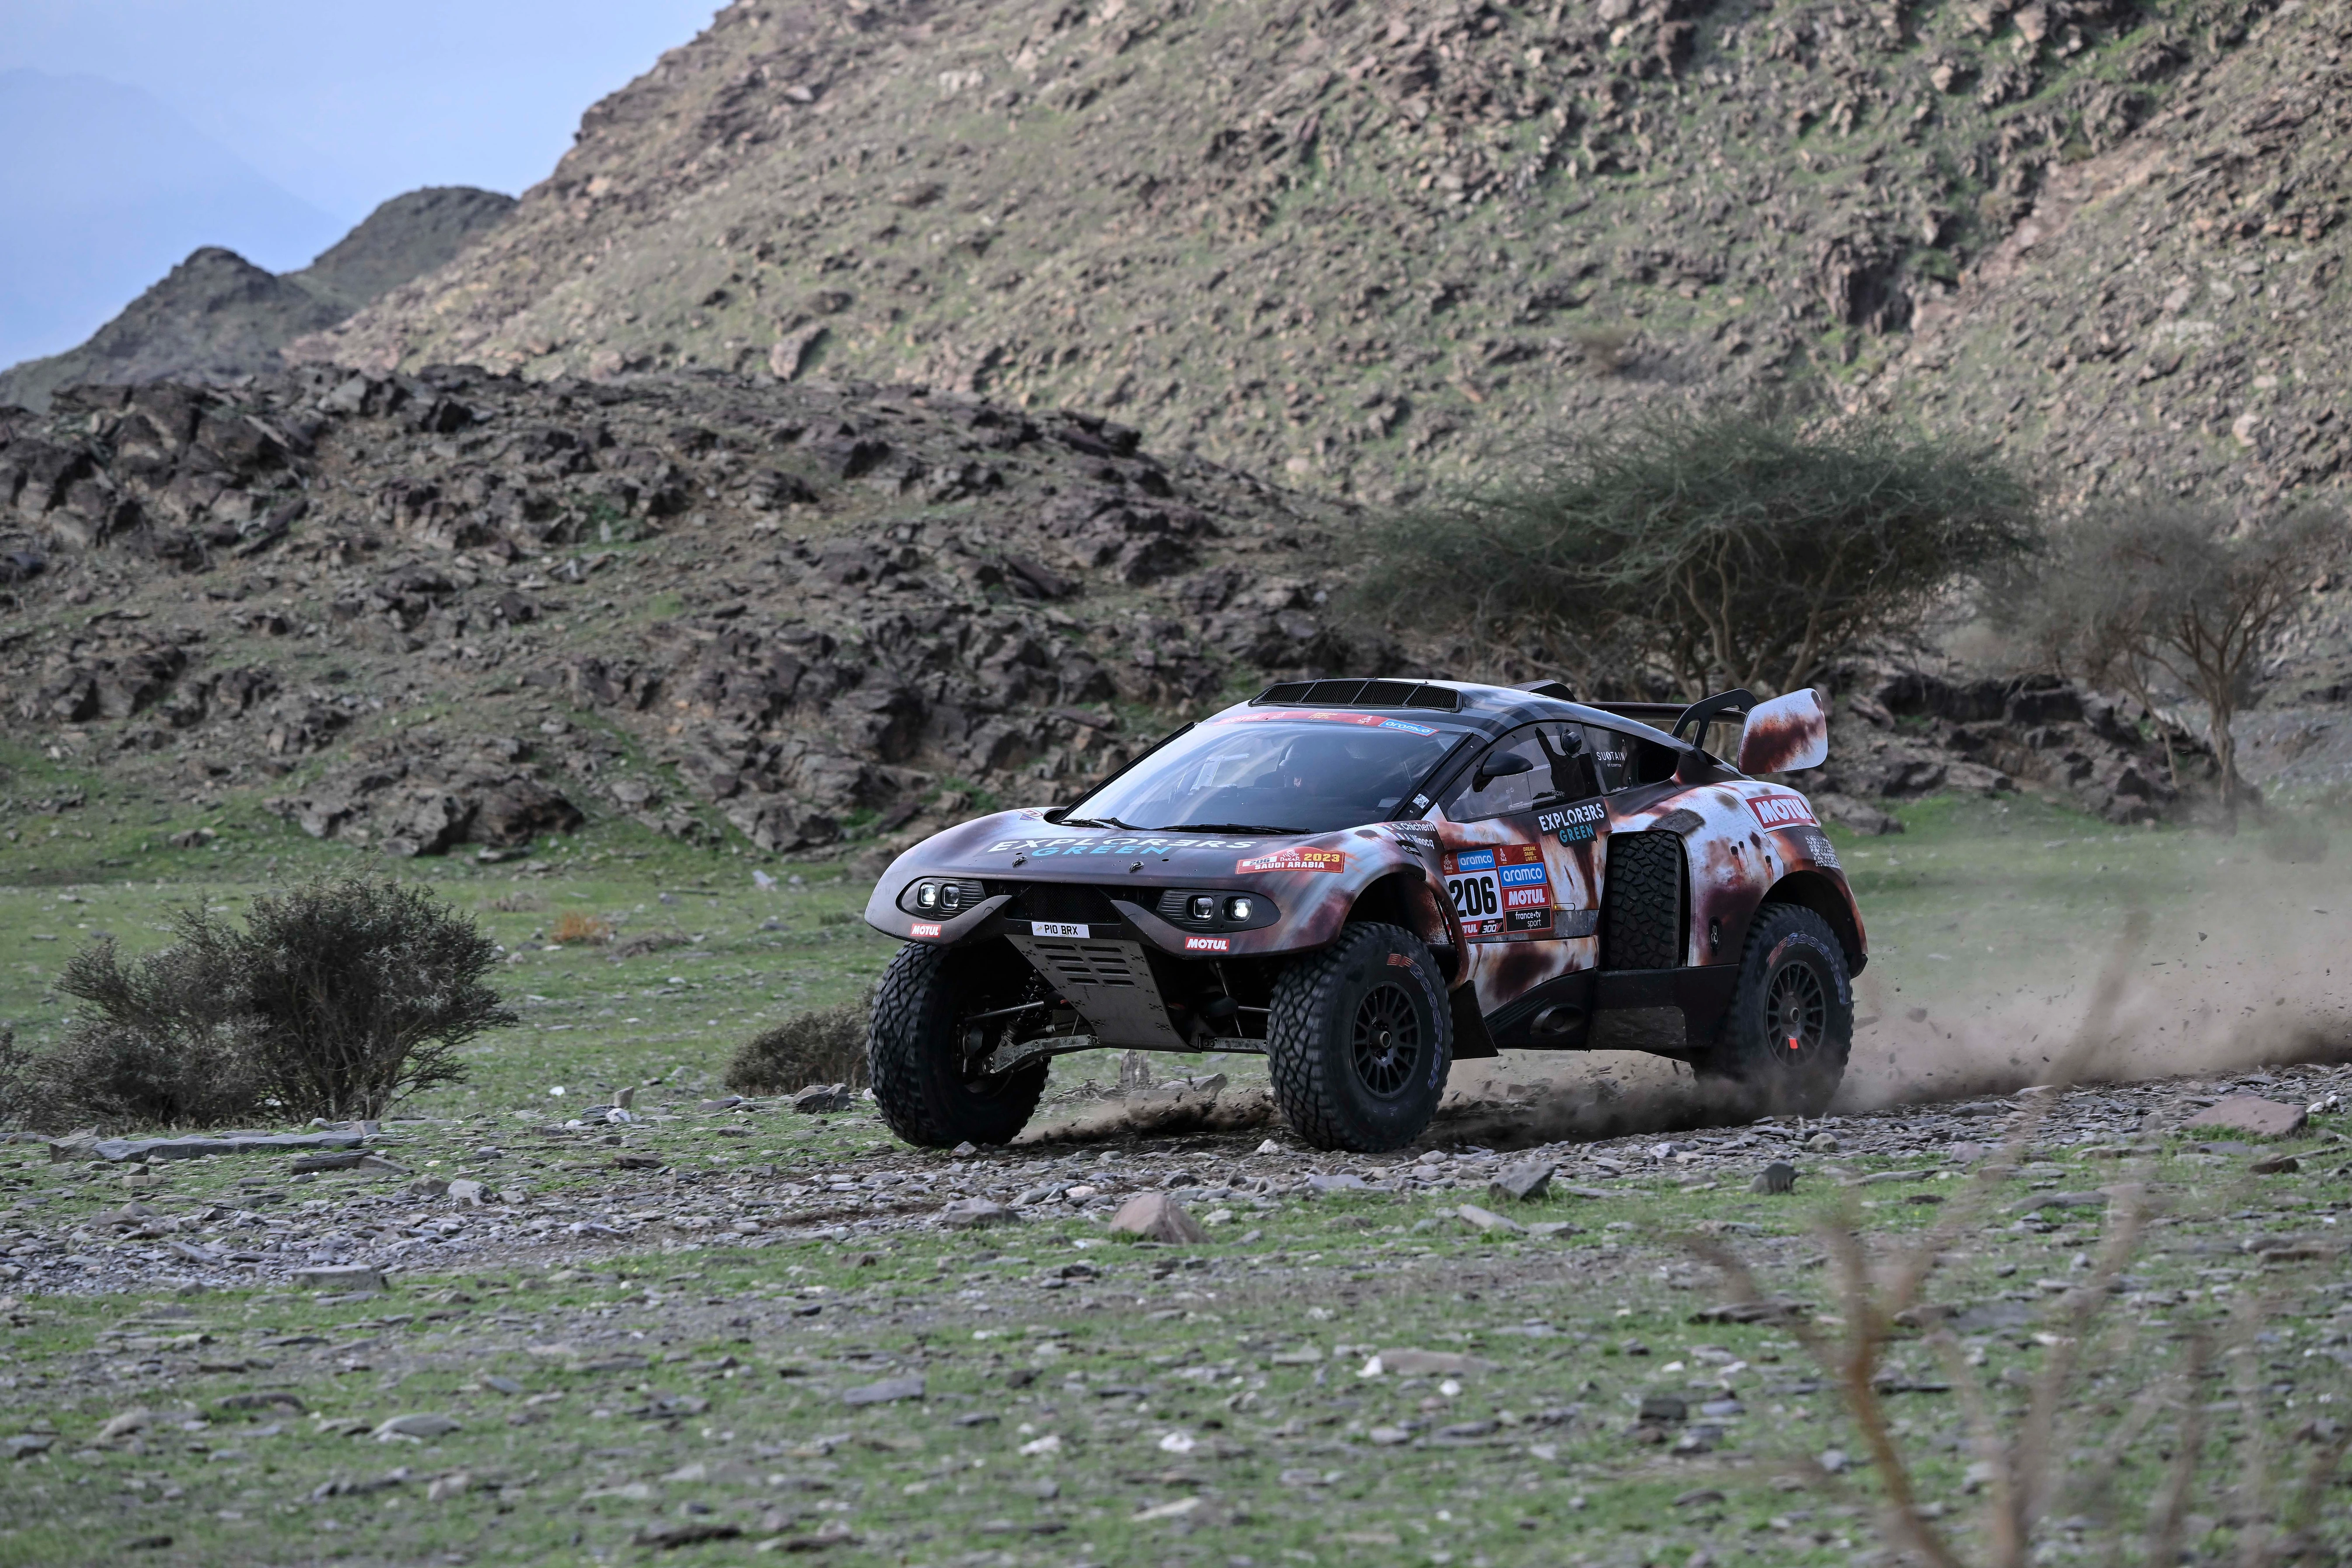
(1826, 899)
(1403, 898)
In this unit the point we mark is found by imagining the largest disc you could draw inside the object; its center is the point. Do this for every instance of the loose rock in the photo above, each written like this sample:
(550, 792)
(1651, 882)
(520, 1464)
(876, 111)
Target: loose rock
(887, 1391)
(825, 1097)
(2252, 1115)
(1522, 1182)
(1156, 1217)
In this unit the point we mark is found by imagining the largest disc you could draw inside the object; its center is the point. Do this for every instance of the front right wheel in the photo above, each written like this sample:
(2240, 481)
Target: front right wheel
(1360, 1039)
(1785, 1041)
(939, 1015)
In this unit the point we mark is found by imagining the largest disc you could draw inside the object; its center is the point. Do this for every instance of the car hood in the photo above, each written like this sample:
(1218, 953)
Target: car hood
(1024, 843)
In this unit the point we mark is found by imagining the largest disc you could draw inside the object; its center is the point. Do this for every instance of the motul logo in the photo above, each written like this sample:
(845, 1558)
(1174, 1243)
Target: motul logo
(926, 927)
(1782, 810)
(1207, 944)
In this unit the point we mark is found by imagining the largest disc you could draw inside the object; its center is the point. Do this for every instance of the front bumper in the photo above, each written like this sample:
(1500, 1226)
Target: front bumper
(1085, 911)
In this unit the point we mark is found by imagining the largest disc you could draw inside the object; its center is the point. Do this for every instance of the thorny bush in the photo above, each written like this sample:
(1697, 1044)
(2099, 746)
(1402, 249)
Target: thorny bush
(336, 998)
(827, 1046)
(2139, 594)
(1705, 549)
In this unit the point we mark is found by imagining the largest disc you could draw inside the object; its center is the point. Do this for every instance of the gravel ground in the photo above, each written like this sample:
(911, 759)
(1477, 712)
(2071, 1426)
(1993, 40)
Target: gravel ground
(564, 1195)
(773, 1337)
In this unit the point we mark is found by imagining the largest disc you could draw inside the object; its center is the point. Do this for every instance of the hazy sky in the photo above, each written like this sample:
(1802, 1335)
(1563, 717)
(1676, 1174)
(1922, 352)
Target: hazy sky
(346, 102)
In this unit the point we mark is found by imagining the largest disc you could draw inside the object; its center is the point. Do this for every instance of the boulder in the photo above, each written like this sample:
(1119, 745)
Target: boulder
(2251, 1115)
(825, 1097)
(971, 1214)
(888, 1390)
(1522, 1182)
(1156, 1217)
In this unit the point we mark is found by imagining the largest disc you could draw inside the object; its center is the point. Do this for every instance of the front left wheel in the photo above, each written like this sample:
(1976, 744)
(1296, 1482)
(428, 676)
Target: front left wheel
(1360, 1039)
(929, 1036)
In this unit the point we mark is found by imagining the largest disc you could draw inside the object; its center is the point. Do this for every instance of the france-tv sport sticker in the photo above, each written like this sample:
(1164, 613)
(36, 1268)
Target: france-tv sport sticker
(1782, 810)
(1295, 860)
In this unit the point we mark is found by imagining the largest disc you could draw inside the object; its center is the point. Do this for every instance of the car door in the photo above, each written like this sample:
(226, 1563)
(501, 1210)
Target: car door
(1519, 844)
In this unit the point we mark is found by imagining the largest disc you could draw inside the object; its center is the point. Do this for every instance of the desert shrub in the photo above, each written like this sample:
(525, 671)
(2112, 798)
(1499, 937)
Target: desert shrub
(162, 1043)
(823, 1046)
(574, 929)
(335, 998)
(1704, 550)
(2132, 594)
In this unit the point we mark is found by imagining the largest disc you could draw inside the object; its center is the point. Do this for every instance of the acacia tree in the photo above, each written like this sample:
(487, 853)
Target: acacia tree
(1719, 548)
(2135, 592)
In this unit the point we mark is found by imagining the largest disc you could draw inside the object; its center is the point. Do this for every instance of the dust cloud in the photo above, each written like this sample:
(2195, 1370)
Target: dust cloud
(2228, 970)
(2238, 971)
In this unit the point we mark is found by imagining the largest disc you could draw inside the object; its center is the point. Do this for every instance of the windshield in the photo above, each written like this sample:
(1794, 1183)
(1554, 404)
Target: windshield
(1283, 771)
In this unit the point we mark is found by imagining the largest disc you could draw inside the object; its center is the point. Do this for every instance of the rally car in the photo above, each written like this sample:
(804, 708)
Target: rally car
(1365, 881)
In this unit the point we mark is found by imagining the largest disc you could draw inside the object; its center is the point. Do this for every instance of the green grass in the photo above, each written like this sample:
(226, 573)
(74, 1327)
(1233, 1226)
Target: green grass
(1249, 1351)
(1283, 1456)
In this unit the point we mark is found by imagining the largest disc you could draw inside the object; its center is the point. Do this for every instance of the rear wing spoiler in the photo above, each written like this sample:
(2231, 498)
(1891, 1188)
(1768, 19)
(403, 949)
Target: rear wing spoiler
(1787, 734)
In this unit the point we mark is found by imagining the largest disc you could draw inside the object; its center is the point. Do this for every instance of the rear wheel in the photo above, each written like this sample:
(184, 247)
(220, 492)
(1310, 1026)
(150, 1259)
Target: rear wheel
(928, 1040)
(1790, 1026)
(1360, 1039)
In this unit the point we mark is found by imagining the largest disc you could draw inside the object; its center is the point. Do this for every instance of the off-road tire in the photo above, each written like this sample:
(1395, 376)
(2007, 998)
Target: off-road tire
(1333, 1094)
(1793, 984)
(1641, 906)
(913, 1056)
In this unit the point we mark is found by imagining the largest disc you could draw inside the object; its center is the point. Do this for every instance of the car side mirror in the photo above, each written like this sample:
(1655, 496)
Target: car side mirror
(1494, 768)
(1786, 735)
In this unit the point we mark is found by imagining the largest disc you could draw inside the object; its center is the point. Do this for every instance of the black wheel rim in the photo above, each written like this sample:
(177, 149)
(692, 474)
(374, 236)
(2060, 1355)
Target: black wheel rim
(1796, 1015)
(1386, 1043)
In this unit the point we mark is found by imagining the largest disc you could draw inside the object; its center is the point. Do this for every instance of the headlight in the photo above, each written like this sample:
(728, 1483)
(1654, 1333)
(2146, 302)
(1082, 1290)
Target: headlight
(1239, 909)
(950, 896)
(928, 896)
(1203, 908)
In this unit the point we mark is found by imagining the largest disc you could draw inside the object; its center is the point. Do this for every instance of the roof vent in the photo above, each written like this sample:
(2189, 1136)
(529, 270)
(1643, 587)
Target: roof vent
(1360, 694)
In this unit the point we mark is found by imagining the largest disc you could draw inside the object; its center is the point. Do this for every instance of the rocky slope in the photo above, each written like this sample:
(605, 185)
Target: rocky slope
(1355, 243)
(2167, 317)
(216, 316)
(419, 611)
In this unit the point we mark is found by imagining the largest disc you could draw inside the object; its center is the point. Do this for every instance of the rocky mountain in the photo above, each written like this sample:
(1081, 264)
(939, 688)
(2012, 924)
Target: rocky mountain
(216, 316)
(2170, 316)
(103, 188)
(1362, 244)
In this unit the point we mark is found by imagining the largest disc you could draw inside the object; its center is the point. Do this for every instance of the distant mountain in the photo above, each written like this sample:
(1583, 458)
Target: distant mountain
(216, 315)
(102, 189)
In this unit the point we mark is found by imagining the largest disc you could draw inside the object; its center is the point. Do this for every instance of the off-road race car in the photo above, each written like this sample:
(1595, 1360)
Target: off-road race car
(1365, 881)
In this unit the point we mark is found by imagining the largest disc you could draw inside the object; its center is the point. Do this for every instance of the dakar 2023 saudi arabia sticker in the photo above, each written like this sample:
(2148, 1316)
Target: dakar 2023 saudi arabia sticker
(1297, 860)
